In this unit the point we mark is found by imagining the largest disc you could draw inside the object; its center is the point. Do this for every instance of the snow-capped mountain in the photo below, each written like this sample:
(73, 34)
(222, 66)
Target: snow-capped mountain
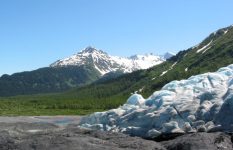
(105, 63)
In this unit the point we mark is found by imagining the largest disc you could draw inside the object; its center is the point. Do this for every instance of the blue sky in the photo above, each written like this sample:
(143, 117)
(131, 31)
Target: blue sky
(34, 34)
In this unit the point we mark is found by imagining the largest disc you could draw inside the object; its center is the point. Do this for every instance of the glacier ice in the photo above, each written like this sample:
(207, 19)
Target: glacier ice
(135, 99)
(201, 103)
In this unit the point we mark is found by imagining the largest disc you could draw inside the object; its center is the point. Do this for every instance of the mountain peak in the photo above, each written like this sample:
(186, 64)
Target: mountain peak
(90, 49)
(105, 63)
(168, 55)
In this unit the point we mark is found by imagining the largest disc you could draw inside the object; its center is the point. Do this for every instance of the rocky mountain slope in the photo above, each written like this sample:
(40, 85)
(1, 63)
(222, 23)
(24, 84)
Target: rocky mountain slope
(105, 63)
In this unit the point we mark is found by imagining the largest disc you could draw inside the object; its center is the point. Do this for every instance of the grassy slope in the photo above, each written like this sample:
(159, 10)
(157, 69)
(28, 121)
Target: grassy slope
(112, 93)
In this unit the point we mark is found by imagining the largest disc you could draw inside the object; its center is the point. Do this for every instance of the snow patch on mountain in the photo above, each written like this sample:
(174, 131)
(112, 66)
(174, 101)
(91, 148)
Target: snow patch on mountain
(105, 63)
(137, 62)
(206, 50)
(164, 72)
(153, 78)
(204, 47)
(201, 103)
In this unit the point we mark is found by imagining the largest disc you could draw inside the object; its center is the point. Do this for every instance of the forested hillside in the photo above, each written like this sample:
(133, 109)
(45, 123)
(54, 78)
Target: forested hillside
(47, 80)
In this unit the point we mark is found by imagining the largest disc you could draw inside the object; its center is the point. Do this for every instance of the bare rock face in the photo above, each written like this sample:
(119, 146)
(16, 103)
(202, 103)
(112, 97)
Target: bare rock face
(200, 141)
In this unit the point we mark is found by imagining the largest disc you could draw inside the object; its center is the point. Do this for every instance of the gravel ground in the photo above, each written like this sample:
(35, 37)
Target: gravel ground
(57, 120)
(62, 133)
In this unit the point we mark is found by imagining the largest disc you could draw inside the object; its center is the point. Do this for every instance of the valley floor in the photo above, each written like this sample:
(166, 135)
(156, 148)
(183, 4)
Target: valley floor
(62, 133)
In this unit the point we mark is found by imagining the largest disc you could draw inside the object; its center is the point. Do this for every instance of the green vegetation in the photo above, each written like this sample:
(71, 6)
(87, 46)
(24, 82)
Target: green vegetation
(111, 93)
(53, 104)
(47, 80)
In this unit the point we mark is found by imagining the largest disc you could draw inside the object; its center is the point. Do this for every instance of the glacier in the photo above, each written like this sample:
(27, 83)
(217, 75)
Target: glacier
(202, 103)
